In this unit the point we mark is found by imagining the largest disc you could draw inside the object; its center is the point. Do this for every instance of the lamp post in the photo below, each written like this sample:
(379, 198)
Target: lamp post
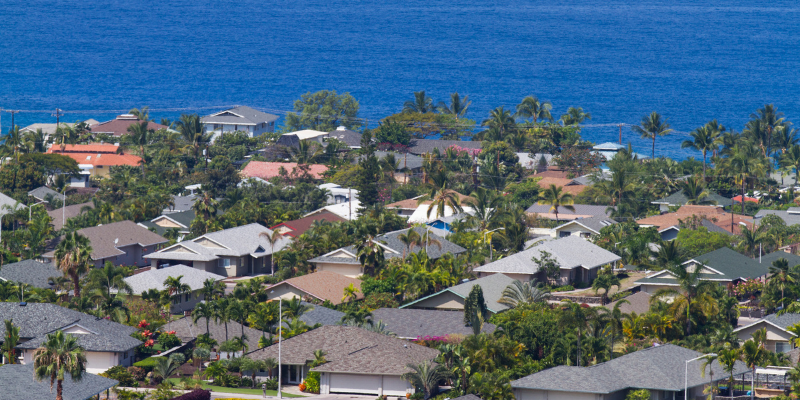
(686, 374)
(491, 249)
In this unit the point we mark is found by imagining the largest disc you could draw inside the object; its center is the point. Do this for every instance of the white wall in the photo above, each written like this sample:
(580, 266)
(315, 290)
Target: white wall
(349, 270)
(353, 383)
(96, 361)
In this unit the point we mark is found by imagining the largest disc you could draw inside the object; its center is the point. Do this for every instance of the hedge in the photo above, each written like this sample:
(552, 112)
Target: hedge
(147, 364)
(198, 394)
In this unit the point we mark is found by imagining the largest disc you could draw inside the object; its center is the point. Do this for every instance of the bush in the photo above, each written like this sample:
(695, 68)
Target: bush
(374, 301)
(226, 380)
(312, 382)
(620, 295)
(123, 394)
(121, 374)
(169, 340)
(564, 288)
(138, 373)
(198, 394)
(272, 384)
(246, 382)
(642, 394)
(147, 364)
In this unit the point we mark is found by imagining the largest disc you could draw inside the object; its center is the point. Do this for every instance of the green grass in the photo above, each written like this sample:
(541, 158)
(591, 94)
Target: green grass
(221, 389)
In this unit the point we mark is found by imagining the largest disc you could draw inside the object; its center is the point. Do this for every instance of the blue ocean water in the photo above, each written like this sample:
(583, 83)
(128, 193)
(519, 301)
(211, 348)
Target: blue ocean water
(619, 60)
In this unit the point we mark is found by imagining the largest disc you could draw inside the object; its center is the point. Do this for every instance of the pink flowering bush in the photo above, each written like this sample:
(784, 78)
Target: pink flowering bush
(748, 288)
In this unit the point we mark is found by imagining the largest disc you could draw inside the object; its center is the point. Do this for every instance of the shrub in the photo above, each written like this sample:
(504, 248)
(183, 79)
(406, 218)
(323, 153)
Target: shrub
(198, 394)
(169, 340)
(123, 394)
(226, 380)
(138, 373)
(312, 382)
(272, 384)
(620, 295)
(121, 374)
(564, 288)
(374, 301)
(147, 364)
(246, 382)
(642, 394)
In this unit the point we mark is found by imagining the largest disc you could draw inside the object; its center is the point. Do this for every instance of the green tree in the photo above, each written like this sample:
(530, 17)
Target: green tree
(324, 111)
(692, 294)
(109, 278)
(204, 310)
(475, 306)
(705, 139)
(421, 104)
(458, 106)
(522, 293)
(641, 394)
(165, 367)
(391, 131)
(555, 197)
(272, 238)
(575, 116)
(605, 280)
(701, 241)
(578, 318)
(10, 342)
(371, 255)
(59, 356)
(651, 127)
(73, 255)
(140, 134)
(426, 377)
(790, 160)
(531, 107)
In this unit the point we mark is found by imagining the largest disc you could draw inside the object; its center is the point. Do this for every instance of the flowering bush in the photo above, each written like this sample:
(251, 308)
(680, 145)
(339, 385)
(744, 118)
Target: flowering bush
(168, 340)
(748, 288)
(435, 341)
(143, 324)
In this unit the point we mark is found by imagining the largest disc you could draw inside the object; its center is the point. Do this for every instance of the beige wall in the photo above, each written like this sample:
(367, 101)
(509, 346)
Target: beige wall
(349, 270)
(572, 230)
(774, 335)
(519, 277)
(442, 301)
(286, 292)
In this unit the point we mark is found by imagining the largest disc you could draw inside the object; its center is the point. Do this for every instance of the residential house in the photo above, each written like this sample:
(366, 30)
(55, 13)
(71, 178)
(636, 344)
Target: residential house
(581, 211)
(121, 243)
(186, 330)
(567, 185)
(230, 252)
(779, 338)
(182, 221)
(679, 199)
(583, 227)
(713, 218)
(20, 383)
(9, 205)
(419, 209)
(30, 272)
(300, 226)
(768, 259)
(154, 279)
(44, 193)
(345, 260)
(95, 160)
(62, 214)
(423, 146)
(50, 129)
(293, 139)
(453, 298)
(578, 259)
(724, 266)
(415, 323)
(790, 216)
(319, 286)
(359, 361)
(239, 119)
(338, 194)
(351, 138)
(660, 369)
(268, 170)
(119, 125)
(609, 150)
(107, 344)
(408, 165)
(444, 225)
(347, 211)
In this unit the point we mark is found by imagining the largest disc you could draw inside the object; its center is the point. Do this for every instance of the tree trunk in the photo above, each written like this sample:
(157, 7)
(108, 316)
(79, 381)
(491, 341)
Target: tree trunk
(704, 165)
(654, 146)
(59, 390)
(578, 350)
(141, 151)
(76, 281)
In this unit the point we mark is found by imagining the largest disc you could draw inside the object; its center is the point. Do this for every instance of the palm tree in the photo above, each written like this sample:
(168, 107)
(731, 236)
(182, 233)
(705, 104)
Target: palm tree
(10, 341)
(421, 104)
(521, 293)
(294, 308)
(58, 356)
(140, 134)
(350, 293)
(745, 163)
(487, 206)
(669, 254)
(192, 130)
(203, 310)
(704, 139)
(143, 114)
(575, 116)
(112, 306)
(263, 317)
(605, 281)
(14, 141)
(750, 239)
(221, 313)
(695, 191)
(441, 196)
(791, 161)
(651, 127)
(175, 287)
(615, 318)
(165, 367)
(212, 289)
(66, 135)
(109, 278)
(708, 362)
(411, 238)
(531, 107)
(73, 255)
(753, 354)
(238, 311)
(371, 255)
(576, 317)
(781, 276)
(692, 294)
(501, 121)
(306, 152)
(426, 376)
(271, 238)
(248, 364)
(458, 106)
(554, 197)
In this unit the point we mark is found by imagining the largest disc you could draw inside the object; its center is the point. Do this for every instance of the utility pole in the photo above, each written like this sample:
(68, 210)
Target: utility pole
(58, 115)
(12, 118)
(620, 133)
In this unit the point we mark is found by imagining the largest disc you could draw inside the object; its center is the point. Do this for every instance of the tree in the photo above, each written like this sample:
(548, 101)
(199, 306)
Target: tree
(501, 121)
(441, 196)
(175, 287)
(695, 191)
(651, 127)
(140, 135)
(165, 367)
(475, 306)
(578, 161)
(708, 362)
(272, 238)
(391, 131)
(575, 116)
(531, 107)
(10, 342)
(641, 394)
(73, 255)
(521, 293)
(575, 316)
(248, 364)
(203, 310)
(605, 280)
(701, 241)
(781, 276)
(555, 197)
(791, 161)
(422, 104)
(745, 163)
(109, 278)
(693, 293)
(350, 293)
(705, 139)
(193, 130)
(422, 126)
(549, 265)
(212, 289)
(59, 356)
(458, 105)
(753, 354)
(371, 255)
(426, 377)
(324, 111)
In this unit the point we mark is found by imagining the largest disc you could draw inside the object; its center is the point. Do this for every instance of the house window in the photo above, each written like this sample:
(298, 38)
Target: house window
(782, 347)
(225, 262)
(125, 355)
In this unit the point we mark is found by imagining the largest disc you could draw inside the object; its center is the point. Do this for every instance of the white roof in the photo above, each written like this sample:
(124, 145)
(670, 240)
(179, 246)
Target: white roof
(347, 210)
(240, 241)
(570, 252)
(307, 134)
(420, 215)
(154, 279)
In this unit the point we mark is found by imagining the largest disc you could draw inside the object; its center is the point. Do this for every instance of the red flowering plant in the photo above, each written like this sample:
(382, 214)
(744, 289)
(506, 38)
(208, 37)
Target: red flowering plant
(143, 324)
(748, 289)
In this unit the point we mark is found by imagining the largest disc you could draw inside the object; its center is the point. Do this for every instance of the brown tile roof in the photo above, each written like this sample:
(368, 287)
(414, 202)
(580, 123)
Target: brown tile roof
(267, 170)
(324, 285)
(566, 185)
(300, 226)
(713, 214)
(128, 232)
(558, 174)
(72, 211)
(119, 126)
(350, 350)
(105, 148)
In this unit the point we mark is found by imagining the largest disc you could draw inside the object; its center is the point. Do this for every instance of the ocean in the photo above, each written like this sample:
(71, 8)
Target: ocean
(619, 60)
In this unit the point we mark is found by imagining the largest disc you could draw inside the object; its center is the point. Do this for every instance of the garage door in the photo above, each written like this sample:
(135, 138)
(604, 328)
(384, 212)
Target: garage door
(351, 383)
(394, 386)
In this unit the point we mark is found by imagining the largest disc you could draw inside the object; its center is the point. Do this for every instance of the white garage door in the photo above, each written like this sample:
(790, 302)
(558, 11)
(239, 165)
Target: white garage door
(394, 386)
(351, 383)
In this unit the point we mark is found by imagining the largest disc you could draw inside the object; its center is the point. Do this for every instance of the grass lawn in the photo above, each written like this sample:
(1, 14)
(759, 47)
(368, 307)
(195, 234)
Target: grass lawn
(221, 389)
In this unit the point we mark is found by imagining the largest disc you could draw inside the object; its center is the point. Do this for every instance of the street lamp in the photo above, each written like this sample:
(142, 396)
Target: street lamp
(280, 337)
(491, 249)
(686, 374)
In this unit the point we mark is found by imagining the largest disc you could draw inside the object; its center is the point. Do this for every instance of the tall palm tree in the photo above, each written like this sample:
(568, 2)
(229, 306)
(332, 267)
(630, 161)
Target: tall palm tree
(193, 131)
(222, 314)
(212, 289)
(615, 317)
(272, 238)
(753, 354)
(745, 164)
(14, 141)
(294, 308)
(421, 104)
(411, 238)
(371, 255)
(65, 135)
(708, 362)
(10, 342)
(531, 107)
(458, 106)
(501, 121)
(204, 310)
(487, 205)
(73, 255)
(35, 141)
(109, 278)
(521, 293)
(175, 287)
(306, 152)
(441, 196)
(140, 135)
(692, 294)
(574, 316)
(426, 376)
(791, 161)
(705, 139)
(694, 189)
(112, 306)
(781, 276)
(59, 356)
(751, 239)
(575, 116)
(143, 114)
(554, 197)
(651, 127)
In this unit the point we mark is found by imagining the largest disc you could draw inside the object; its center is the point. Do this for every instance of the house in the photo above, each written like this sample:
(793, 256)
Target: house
(119, 125)
(790, 216)
(679, 199)
(30, 272)
(268, 170)
(44, 193)
(187, 331)
(154, 279)
(660, 369)
(347, 211)
(428, 213)
(581, 211)
(408, 165)
(453, 298)
(107, 343)
(239, 119)
(21, 384)
(62, 214)
(181, 220)
(423, 146)
(230, 252)
(535, 161)
(293, 139)
(9, 205)
(768, 259)
(669, 224)
(578, 259)
(319, 286)
(724, 266)
(415, 323)
(50, 129)
(413, 207)
(345, 260)
(359, 361)
(95, 160)
(338, 194)
(779, 338)
(567, 185)
(609, 150)
(300, 226)
(444, 225)
(583, 227)
(121, 243)
(351, 138)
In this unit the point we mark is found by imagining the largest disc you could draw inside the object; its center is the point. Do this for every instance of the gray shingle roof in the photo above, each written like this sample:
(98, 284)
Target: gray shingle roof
(41, 193)
(35, 320)
(656, 368)
(184, 218)
(422, 146)
(30, 272)
(467, 397)
(8, 201)
(580, 209)
(492, 286)
(102, 238)
(409, 161)
(181, 203)
(187, 330)
(784, 321)
(20, 384)
(351, 138)
(679, 198)
(791, 218)
(238, 242)
(410, 323)
(154, 278)
(60, 215)
(570, 252)
(244, 115)
(320, 315)
(350, 350)
(593, 223)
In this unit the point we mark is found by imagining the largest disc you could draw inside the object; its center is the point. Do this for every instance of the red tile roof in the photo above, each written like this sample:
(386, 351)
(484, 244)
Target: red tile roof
(85, 148)
(566, 185)
(738, 199)
(713, 214)
(269, 170)
(300, 226)
(119, 126)
(109, 160)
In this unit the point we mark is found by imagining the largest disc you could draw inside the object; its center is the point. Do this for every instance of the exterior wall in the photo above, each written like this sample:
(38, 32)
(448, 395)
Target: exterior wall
(349, 270)
(652, 289)
(286, 292)
(519, 277)
(96, 361)
(573, 230)
(442, 301)
(774, 335)
(180, 305)
(256, 130)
